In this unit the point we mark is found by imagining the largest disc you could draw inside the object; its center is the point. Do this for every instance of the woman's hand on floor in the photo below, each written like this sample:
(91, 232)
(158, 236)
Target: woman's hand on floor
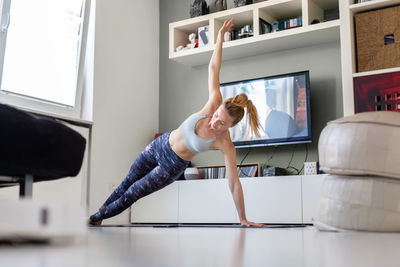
(247, 223)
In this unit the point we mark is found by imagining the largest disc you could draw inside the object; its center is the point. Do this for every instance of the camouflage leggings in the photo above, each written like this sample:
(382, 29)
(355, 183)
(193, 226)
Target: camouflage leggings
(156, 167)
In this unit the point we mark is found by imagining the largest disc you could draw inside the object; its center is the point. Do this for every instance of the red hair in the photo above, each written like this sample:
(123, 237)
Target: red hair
(235, 107)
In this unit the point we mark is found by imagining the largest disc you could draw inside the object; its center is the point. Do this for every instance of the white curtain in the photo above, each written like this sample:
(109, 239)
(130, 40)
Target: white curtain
(281, 94)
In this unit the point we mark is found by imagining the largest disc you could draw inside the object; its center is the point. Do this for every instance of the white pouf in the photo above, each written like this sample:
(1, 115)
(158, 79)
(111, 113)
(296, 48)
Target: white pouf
(359, 203)
(363, 144)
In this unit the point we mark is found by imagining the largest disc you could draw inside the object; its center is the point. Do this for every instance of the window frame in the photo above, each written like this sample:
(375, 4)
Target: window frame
(35, 104)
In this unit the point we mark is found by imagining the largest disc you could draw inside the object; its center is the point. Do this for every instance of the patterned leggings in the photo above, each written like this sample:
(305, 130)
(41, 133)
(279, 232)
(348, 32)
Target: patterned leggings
(156, 167)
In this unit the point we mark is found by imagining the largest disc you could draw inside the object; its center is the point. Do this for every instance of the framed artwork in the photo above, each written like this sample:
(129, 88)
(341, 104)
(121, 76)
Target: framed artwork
(380, 92)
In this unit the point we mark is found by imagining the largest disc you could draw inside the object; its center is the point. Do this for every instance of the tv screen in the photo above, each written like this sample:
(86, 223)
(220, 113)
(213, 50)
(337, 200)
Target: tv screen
(283, 106)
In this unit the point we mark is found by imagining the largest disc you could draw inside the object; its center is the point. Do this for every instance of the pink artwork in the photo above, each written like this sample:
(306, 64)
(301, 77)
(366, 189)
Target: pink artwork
(380, 92)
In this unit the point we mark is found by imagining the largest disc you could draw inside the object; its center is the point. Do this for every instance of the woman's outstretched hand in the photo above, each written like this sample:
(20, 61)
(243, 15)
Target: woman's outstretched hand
(247, 223)
(226, 27)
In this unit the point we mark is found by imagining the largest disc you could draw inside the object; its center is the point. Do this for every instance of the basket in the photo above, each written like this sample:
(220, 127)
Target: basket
(378, 39)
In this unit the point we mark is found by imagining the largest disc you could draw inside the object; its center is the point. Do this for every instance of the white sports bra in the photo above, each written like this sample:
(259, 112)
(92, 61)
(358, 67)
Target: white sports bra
(195, 143)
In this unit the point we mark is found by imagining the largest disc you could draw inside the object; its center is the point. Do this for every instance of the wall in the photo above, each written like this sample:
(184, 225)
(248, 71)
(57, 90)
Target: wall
(183, 89)
(125, 95)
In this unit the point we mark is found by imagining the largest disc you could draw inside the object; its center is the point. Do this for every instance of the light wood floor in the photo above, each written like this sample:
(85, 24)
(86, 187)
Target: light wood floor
(175, 247)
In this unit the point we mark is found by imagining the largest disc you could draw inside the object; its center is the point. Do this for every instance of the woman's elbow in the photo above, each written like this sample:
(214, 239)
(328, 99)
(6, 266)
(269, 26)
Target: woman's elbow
(213, 67)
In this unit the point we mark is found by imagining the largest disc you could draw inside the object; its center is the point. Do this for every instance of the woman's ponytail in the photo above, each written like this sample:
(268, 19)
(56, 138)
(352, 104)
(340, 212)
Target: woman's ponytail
(253, 118)
(240, 100)
(235, 107)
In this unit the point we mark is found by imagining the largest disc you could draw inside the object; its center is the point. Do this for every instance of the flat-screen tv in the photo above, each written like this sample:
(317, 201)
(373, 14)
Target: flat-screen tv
(283, 106)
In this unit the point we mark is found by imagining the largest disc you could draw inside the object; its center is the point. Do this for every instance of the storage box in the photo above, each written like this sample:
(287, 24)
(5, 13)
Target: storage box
(378, 39)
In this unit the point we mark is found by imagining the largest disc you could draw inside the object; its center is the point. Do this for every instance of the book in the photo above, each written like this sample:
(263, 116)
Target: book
(219, 172)
(265, 27)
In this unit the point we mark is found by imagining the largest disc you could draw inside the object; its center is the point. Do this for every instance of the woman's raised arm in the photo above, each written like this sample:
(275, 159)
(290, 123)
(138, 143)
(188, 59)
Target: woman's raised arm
(214, 67)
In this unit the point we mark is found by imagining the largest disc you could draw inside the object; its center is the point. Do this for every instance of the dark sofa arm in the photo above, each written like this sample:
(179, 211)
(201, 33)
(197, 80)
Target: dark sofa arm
(36, 145)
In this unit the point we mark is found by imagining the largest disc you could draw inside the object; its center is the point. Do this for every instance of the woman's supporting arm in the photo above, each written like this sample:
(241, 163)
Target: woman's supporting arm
(234, 184)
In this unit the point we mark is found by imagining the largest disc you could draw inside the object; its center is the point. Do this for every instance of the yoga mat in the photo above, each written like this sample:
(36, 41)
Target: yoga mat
(174, 225)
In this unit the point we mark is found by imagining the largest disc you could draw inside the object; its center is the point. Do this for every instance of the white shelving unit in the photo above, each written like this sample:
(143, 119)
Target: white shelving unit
(348, 9)
(308, 34)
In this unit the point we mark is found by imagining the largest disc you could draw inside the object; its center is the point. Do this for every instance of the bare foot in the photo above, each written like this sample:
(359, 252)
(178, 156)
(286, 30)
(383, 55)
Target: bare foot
(94, 223)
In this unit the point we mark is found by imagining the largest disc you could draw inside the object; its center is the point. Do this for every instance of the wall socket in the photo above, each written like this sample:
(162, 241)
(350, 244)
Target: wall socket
(310, 168)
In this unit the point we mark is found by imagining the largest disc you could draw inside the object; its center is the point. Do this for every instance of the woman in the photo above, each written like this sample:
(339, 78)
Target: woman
(167, 157)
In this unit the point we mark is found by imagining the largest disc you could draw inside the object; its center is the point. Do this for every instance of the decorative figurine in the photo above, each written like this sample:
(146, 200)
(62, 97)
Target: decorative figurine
(221, 5)
(198, 8)
(238, 3)
(192, 44)
(179, 48)
(192, 39)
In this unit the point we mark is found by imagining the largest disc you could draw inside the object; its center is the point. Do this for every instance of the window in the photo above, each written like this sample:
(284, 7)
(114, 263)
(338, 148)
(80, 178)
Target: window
(41, 53)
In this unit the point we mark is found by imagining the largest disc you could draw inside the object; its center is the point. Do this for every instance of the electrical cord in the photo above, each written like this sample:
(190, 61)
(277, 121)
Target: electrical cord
(304, 160)
(272, 155)
(240, 166)
(290, 162)
(294, 168)
(291, 157)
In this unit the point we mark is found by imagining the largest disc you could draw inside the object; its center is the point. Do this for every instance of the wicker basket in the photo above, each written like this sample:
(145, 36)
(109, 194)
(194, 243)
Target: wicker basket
(378, 39)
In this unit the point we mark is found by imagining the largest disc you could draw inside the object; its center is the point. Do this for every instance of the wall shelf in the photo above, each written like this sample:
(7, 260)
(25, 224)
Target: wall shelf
(289, 39)
(306, 35)
(371, 5)
(374, 72)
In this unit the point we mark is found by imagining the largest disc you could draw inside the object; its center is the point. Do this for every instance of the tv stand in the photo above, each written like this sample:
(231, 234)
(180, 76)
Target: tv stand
(275, 199)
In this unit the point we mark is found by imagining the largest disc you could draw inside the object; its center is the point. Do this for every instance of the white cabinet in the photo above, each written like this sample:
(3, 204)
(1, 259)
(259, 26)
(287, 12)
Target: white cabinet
(306, 35)
(278, 199)
(159, 207)
(311, 186)
(206, 201)
(273, 199)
